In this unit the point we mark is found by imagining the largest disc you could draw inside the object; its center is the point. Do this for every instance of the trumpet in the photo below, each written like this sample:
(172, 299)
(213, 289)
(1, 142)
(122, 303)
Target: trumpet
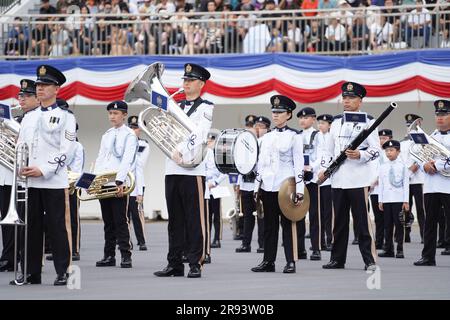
(98, 191)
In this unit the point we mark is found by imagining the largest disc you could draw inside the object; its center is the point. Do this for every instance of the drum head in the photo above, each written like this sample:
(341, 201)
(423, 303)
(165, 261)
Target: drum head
(245, 152)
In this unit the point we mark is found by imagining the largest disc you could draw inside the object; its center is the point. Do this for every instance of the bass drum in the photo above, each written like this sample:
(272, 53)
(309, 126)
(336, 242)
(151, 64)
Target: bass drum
(236, 151)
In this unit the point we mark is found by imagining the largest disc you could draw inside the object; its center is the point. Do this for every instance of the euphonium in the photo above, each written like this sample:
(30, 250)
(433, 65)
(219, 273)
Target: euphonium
(164, 122)
(427, 152)
(97, 191)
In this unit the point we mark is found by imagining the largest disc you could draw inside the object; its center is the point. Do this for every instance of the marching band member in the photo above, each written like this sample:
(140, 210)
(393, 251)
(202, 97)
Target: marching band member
(246, 186)
(185, 186)
(393, 198)
(50, 134)
(436, 186)
(416, 179)
(117, 153)
(384, 136)
(350, 183)
(326, 210)
(213, 178)
(306, 119)
(281, 157)
(137, 196)
(27, 101)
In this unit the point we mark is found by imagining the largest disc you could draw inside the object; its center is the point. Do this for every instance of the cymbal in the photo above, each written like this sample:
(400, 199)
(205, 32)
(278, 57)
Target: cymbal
(287, 206)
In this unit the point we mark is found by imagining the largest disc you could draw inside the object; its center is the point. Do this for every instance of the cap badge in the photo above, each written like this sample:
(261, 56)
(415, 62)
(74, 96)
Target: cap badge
(24, 84)
(349, 87)
(440, 104)
(42, 71)
(188, 68)
(276, 102)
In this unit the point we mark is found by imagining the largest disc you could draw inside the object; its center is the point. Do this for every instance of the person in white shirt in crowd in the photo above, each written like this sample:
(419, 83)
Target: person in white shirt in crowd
(393, 198)
(419, 24)
(381, 34)
(436, 186)
(336, 35)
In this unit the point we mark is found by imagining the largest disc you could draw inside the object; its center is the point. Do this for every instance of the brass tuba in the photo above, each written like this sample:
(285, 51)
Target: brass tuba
(97, 191)
(164, 122)
(428, 152)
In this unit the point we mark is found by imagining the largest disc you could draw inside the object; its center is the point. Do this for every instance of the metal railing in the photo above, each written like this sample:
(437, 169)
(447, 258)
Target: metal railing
(333, 32)
(5, 5)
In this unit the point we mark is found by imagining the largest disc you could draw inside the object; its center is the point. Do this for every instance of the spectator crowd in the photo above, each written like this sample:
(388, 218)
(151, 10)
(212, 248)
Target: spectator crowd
(135, 27)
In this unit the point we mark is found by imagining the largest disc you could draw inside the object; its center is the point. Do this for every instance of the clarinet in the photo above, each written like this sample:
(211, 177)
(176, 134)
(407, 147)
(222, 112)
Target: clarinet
(356, 142)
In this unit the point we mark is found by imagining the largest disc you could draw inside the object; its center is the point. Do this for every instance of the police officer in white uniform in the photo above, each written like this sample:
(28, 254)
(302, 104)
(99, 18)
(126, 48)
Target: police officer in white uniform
(27, 101)
(49, 132)
(393, 198)
(213, 178)
(117, 153)
(350, 183)
(436, 186)
(246, 187)
(307, 119)
(281, 157)
(185, 186)
(326, 204)
(384, 135)
(416, 179)
(137, 196)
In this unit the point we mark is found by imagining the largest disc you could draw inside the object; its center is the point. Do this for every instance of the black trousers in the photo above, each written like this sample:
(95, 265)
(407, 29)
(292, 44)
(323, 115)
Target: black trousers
(7, 230)
(75, 222)
(433, 204)
(444, 229)
(314, 216)
(301, 231)
(416, 192)
(215, 217)
(355, 200)
(379, 221)
(138, 220)
(391, 213)
(326, 214)
(272, 213)
(55, 204)
(116, 226)
(187, 219)
(248, 207)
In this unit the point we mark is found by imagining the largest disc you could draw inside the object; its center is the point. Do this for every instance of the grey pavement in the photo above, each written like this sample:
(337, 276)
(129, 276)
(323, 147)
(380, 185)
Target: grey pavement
(229, 275)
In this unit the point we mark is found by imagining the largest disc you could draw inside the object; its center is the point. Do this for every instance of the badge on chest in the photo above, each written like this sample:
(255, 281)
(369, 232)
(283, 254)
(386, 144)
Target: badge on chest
(53, 122)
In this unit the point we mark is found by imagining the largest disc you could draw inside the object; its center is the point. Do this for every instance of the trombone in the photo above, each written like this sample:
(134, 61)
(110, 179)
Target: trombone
(19, 196)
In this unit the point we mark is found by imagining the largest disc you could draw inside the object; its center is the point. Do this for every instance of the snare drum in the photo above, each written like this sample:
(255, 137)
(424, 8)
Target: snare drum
(236, 151)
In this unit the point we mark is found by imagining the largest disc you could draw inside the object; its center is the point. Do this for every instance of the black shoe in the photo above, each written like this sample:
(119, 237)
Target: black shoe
(400, 254)
(239, 237)
(6, 266)
(76, 257)
(61, 280)
(31, 279)
(302, 255)
(446, 252)
(310, 249)
(207, 259)
(215, 244)
(195, 271)
(289, 268)
(371, 267)
(170, 272)
(142, 247)
(386, 254)
(328, 247)
(184, 259)
(260, 250)
(407, 239)
(440, 245)
(49, 257)
(425, 262)
(126, 263)
(106, 262)
(243, 248)
(264, 266)
(315, 255)
(308, 236)
(333, 265)
(379, 246)
(355, 242)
